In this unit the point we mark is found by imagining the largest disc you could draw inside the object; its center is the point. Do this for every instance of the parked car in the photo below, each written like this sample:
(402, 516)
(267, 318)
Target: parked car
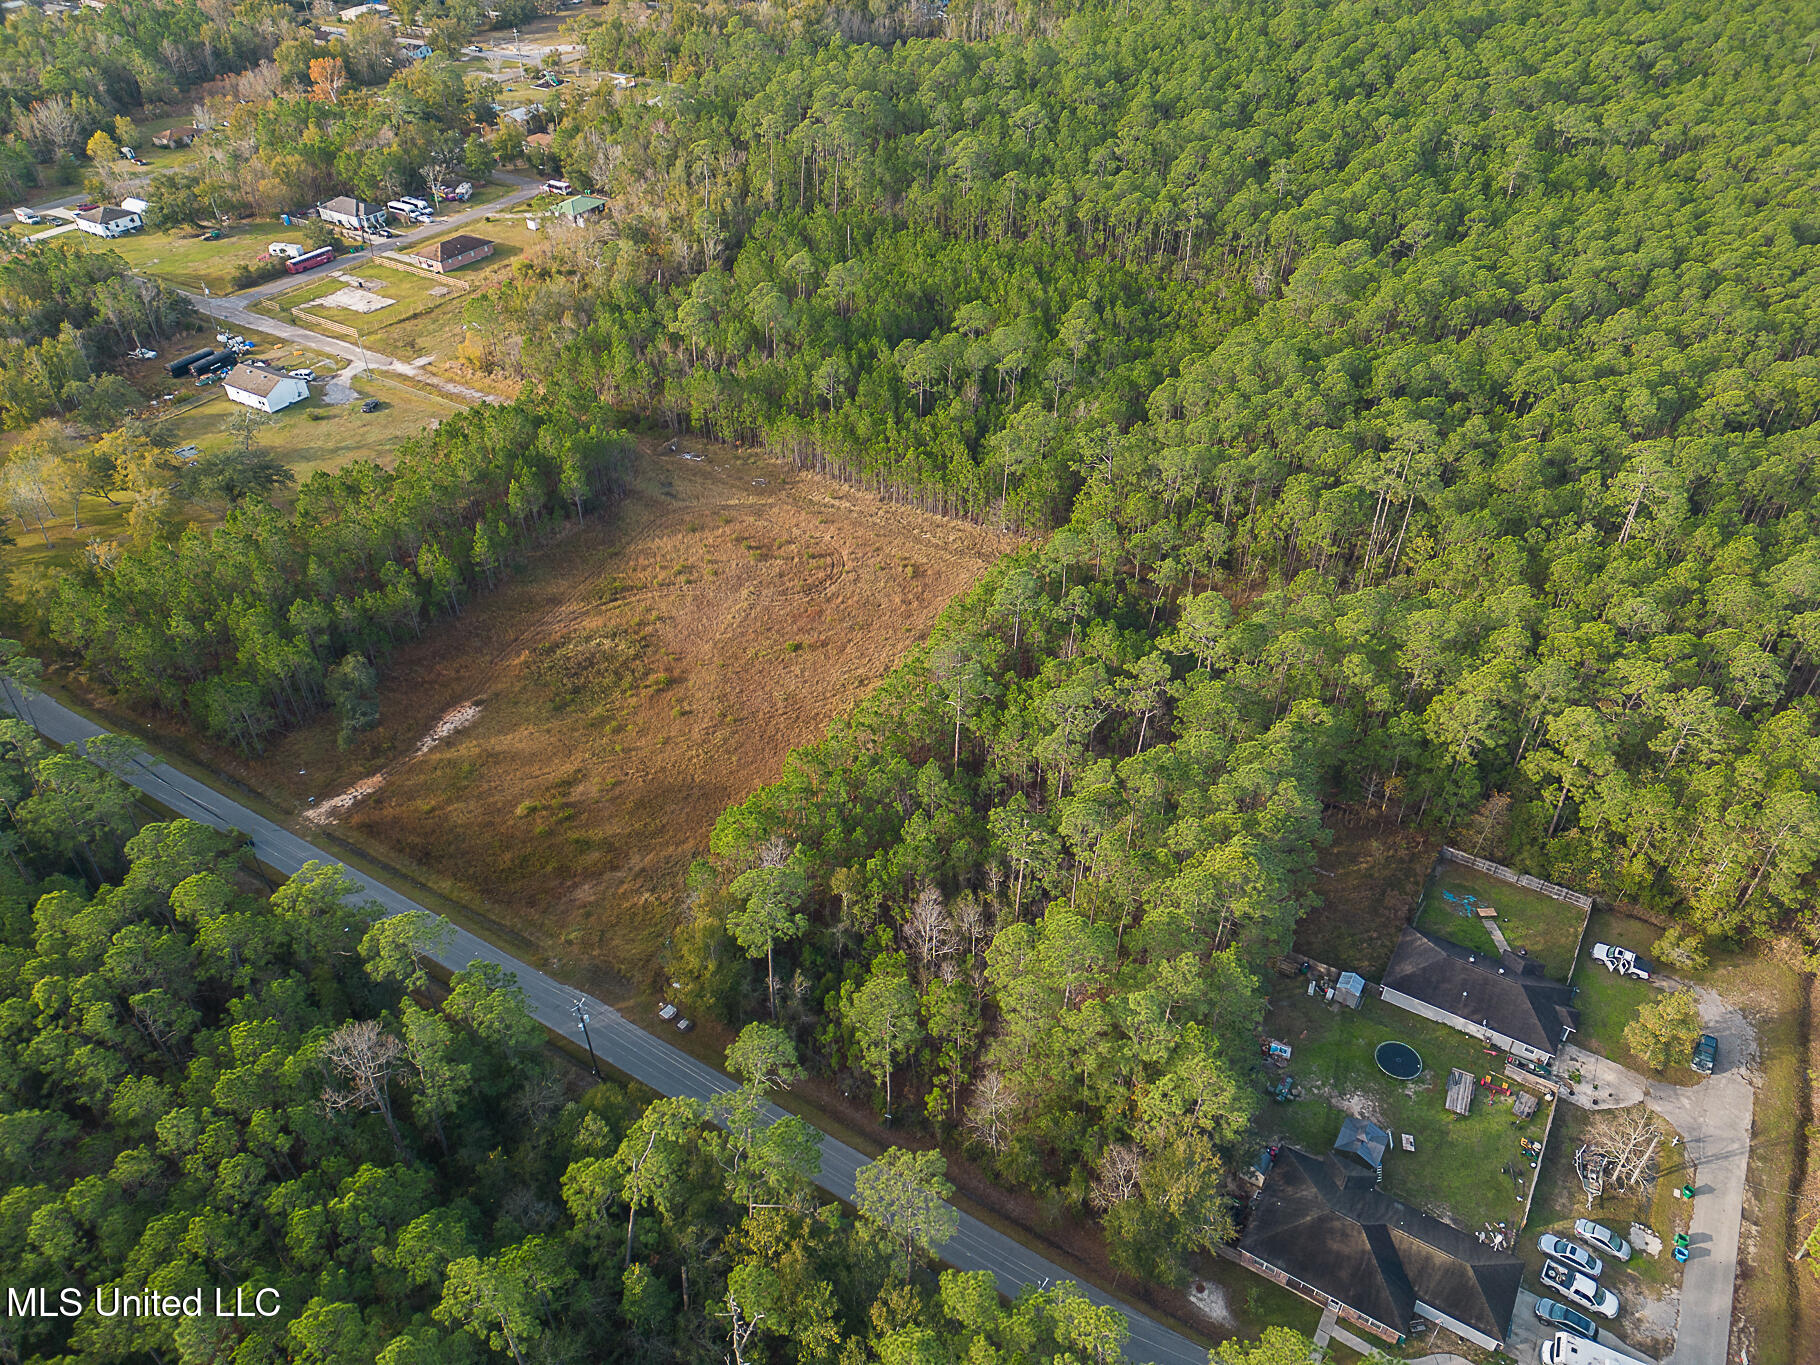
(1706, 1054)
(86, 207)
(1598, 1235)
(1572, 1253)
(28, 216)
(307, 376)
(371, 405)
(1621, 961)
(187, 452)
(1567, 1319)
(1581, 1289)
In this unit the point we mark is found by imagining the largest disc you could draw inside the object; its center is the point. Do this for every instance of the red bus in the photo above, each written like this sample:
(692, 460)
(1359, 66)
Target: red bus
(322, 255)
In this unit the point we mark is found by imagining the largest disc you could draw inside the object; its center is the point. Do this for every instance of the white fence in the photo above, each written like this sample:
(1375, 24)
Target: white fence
(1528, 883)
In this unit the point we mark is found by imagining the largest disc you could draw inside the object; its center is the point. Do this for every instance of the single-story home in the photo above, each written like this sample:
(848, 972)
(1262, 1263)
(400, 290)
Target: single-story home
(265, 389)
(540, 139)
(109, 221)
(176, 137)
(412, 49)
(354, 12)
(1501, 998)
(1322, 1228)
(450, 254)
(521, 115)
(579, 206)
(354, 214)
(134, 204)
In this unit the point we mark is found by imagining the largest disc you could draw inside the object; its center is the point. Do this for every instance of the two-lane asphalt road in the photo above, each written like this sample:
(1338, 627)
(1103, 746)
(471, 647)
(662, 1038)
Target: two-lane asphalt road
(619, 1042)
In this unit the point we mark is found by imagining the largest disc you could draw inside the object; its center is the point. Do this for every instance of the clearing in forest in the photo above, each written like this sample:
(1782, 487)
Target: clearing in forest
(642, 673)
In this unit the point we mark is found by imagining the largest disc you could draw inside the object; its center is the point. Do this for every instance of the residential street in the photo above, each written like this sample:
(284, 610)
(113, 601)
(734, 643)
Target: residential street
(1714, 1119)
(619, 1042)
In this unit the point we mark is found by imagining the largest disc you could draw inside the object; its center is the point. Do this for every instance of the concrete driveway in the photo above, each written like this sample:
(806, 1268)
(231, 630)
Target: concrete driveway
(1714, 1120)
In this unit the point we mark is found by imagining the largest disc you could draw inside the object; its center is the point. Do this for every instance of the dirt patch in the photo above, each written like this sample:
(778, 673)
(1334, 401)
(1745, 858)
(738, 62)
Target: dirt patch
(330, 811)
(1370, 880)
(642, 673)
(1209, 1301)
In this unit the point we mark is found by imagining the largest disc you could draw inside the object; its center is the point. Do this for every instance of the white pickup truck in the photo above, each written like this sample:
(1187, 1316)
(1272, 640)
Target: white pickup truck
(1622, 961)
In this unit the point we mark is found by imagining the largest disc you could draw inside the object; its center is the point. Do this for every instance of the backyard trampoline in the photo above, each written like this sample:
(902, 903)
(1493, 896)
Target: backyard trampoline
(1399, 1060)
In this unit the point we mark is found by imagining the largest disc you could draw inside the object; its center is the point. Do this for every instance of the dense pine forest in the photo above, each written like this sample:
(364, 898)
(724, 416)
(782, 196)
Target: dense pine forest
(1411, 411)
(1414, 412)
(208, 1085)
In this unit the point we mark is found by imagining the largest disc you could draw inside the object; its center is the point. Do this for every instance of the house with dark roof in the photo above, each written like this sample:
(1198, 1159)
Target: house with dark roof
(356, 215)
(1322, 1228)
(449, 254)
(1502, 998)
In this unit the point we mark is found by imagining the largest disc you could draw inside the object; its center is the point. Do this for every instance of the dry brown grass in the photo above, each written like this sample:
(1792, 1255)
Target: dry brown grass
(643, 673)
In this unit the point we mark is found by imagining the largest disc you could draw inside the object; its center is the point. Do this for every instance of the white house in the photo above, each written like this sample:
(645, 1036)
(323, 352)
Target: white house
(133, 204)
(108, 221)
(354, 12)
(266, 390)
(356, 215)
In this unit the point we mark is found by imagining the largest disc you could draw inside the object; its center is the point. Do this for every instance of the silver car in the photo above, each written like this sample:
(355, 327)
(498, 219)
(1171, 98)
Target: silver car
(1581, 1289)
(1571, 1253)
(1598, 1235)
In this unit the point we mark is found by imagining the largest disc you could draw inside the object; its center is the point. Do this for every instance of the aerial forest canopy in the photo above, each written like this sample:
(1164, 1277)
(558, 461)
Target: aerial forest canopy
(1412, 408)
(206, 1084)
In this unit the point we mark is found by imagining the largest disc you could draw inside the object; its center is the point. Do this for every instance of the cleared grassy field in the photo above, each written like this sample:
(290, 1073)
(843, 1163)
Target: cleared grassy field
(640, 674)
(1458, 1170)
(182, 257)
(1549, 929)
(407, 291)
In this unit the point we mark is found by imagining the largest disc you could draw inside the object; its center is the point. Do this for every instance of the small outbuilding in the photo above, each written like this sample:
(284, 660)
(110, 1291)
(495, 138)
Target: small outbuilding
(1351, 990)
(1362, 1143)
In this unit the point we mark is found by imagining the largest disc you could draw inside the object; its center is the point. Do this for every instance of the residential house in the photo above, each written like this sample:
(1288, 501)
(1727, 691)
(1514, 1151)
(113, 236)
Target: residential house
(1502, 998)
(109, 221)
(266, 389)
(1322, 1228)
(450, 254)
(348, 16)
(356, 215)
(579, 206)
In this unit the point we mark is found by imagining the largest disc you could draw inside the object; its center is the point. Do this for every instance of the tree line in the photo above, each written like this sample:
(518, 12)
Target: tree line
(277, 615)
(211, 1084)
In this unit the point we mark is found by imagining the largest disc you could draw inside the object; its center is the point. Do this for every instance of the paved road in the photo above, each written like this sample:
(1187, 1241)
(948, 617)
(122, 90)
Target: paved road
(1714, 1119)
(232, 315)
(523, 190)
(975, 1246)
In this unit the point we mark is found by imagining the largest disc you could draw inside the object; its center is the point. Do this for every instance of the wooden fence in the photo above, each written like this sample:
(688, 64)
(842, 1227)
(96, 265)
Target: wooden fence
(1528, 883)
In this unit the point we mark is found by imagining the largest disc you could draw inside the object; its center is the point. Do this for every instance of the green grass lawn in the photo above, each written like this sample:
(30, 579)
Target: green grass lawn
(1607, 1002)
(1458, 1167)
(407, 291)
(1549, 929)
(181, 257)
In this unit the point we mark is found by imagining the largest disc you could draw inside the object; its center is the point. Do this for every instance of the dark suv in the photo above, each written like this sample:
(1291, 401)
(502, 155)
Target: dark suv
(1706, 1054)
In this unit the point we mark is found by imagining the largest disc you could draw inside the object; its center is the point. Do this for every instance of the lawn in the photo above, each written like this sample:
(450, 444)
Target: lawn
(181, 257)
(1607, 1002)
(407, 290)
(1462, 1168)
(1549, 929)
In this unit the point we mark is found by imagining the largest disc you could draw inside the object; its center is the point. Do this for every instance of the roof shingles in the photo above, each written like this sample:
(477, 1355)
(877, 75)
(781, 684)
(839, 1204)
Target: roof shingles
(1507, 993)
(1331, 1228)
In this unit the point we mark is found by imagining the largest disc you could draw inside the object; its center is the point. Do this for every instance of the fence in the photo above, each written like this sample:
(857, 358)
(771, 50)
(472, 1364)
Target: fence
(1530, 1199)
(398, 261)
(1528, 883)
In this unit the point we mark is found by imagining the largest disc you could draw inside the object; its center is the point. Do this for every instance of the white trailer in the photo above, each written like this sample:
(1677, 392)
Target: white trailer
(1568, 1349)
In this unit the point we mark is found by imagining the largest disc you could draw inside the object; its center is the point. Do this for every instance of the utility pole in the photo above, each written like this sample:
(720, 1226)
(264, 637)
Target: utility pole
(581, 1013)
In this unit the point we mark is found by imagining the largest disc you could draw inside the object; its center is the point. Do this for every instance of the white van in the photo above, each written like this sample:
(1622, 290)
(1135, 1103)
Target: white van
(1568, 1349)
(284, 251)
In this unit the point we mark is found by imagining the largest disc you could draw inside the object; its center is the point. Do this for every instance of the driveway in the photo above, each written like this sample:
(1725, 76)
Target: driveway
(1714, 1120)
